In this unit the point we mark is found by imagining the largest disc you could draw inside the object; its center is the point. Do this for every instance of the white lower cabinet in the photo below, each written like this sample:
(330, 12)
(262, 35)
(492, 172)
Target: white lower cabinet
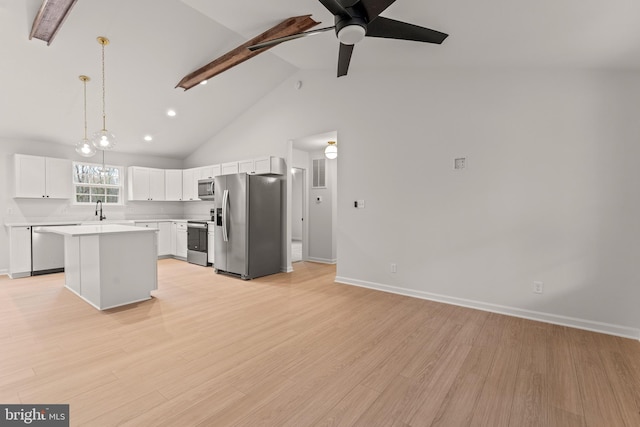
(164, 235)
(164, 238)
(181, 240)
(19, 252)
(210, 244)
(174, 227)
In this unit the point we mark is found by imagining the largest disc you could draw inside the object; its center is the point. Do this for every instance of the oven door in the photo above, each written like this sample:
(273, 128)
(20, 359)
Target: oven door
(197, 243)
(197, 237)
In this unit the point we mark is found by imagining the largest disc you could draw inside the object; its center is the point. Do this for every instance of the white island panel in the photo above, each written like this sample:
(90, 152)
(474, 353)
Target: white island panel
(72, 263)
(129, 264)
(110, 265)
(90, 262)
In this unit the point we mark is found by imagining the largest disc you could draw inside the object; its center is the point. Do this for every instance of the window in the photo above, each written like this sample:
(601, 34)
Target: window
(92, 183)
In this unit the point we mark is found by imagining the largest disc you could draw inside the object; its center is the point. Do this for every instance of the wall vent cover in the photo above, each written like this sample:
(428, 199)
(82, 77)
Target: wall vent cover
(319, 173)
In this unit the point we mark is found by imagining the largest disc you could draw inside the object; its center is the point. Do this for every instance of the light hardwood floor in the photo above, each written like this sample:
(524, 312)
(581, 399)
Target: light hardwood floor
(299, 350)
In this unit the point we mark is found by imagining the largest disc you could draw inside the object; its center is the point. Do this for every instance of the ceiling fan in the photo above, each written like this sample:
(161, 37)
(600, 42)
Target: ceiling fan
(356, 19)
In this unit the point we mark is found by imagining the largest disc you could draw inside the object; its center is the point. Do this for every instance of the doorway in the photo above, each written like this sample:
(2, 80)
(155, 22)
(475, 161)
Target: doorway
(298, 213)
(317, 175)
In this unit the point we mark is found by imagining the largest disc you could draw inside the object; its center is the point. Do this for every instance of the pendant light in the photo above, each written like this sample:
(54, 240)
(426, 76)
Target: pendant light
(84, 147)
(103, 139)
(331, 152)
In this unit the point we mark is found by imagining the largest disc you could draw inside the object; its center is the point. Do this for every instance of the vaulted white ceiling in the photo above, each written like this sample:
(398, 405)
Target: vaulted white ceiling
(154, 43)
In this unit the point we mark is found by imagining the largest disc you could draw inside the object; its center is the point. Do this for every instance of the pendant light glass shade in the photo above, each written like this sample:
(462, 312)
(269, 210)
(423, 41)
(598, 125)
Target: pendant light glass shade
(103, 139)
(331, 152)
(84, 146)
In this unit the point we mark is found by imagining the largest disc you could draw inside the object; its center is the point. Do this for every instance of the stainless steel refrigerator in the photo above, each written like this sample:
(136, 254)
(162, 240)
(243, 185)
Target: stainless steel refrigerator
(248, 230)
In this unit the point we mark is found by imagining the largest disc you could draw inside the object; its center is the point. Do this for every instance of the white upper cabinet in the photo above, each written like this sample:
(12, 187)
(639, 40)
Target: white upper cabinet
(190, 184)
(173, 184)
(246, 166)
(205, 172)
(146, 183)
(262, 166)
(229, 168)
(42, 177)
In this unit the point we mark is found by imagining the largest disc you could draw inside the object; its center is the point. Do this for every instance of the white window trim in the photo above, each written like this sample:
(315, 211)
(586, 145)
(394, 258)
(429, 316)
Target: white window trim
(121, 187)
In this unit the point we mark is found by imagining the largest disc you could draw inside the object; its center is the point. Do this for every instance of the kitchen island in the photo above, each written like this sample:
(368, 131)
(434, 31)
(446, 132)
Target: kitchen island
(109, 265)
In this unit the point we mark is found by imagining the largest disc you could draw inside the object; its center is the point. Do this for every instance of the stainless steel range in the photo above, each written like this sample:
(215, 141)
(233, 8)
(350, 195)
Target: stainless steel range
(197, 242)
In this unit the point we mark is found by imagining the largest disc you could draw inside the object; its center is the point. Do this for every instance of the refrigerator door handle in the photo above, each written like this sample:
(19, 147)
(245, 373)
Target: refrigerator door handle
(225, 199)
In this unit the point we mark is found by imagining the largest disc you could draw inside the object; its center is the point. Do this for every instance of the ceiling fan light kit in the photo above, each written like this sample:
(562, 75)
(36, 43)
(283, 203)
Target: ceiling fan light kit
(351, 34)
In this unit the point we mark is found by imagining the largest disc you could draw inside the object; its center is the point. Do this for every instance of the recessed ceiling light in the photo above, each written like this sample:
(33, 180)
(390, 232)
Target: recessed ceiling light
(204, 82)
(148, 138)
(171, 113)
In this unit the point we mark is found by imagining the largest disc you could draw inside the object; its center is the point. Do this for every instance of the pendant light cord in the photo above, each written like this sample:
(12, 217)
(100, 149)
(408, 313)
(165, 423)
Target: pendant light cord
(84, 81)
(104, 116)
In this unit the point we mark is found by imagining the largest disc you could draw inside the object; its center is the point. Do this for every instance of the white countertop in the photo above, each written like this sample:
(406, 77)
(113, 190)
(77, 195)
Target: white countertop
(86, 230)
(94, 222)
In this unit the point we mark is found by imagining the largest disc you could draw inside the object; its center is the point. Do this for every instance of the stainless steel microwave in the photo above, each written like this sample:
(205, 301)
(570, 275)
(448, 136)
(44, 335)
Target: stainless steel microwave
(205, 189)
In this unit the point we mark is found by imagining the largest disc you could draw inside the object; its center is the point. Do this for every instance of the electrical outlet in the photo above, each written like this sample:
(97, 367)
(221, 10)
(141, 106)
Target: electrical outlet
(394, 267)
(359, 204)
(538, 287)
(459, 163)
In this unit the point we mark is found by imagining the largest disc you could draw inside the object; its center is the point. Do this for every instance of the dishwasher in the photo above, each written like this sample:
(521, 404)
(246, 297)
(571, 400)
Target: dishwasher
(47, 252)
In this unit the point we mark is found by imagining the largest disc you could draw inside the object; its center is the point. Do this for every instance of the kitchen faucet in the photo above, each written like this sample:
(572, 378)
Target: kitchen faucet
(99, 208)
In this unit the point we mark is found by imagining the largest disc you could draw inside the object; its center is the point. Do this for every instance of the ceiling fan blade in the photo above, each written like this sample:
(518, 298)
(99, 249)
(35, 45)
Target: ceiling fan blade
(344, 58)
(392, 29)
(273, 42)
(375, 7)
(334, 7)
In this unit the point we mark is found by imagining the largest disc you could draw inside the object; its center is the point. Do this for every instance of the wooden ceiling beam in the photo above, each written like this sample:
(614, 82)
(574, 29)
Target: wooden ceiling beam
(294, 25)
(50, 18)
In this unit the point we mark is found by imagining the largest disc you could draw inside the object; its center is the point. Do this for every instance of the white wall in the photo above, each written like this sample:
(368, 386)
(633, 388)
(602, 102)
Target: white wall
(549, 193)
(21, 210)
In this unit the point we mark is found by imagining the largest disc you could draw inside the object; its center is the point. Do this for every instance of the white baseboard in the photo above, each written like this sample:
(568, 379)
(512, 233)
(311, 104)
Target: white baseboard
(322, 260)
(4, 272)
(589, 325)
(286, 269)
